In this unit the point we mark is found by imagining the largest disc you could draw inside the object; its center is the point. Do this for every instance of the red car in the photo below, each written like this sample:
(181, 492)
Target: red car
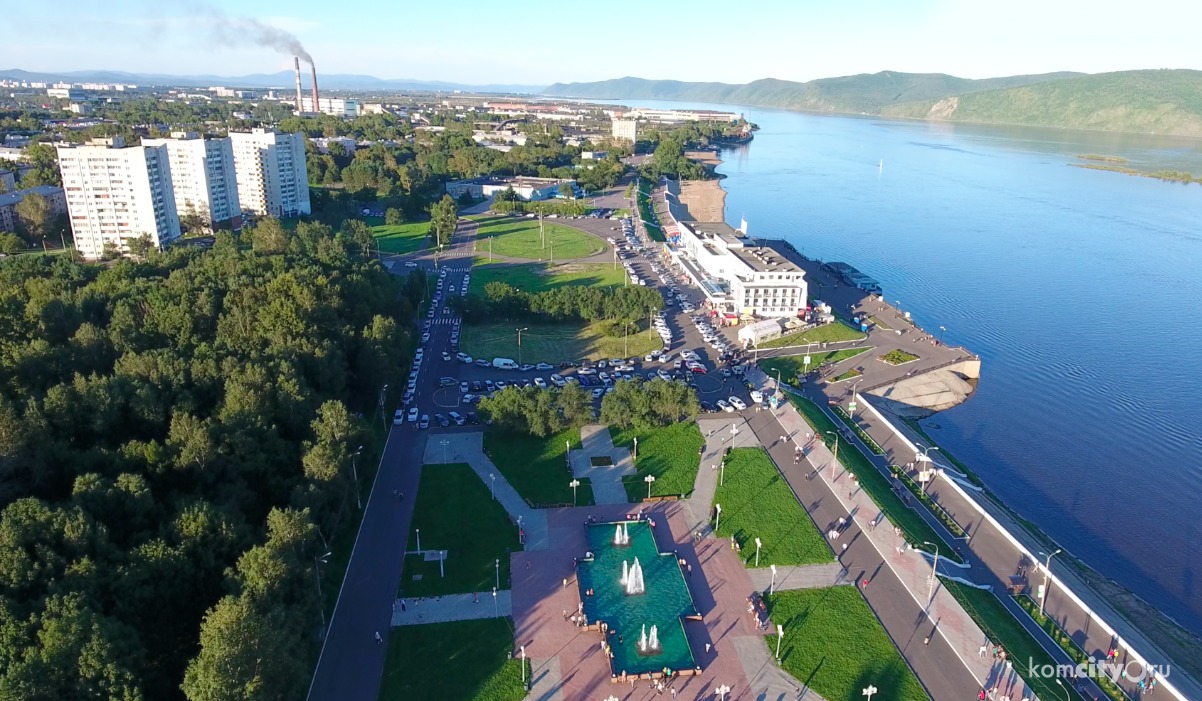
(698, 369)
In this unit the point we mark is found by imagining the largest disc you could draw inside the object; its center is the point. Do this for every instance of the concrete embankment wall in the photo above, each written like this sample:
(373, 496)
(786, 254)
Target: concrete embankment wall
(934, 390)
(975, 500)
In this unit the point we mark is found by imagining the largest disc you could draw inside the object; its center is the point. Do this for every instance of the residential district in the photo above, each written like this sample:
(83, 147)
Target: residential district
(629, 450)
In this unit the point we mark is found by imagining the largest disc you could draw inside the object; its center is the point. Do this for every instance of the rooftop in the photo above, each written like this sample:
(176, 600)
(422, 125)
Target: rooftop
(10, 198)
(764, 259)
(719, 230)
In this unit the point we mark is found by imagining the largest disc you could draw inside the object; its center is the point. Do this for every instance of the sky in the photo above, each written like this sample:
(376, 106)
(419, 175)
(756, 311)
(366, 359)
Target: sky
(475, 42)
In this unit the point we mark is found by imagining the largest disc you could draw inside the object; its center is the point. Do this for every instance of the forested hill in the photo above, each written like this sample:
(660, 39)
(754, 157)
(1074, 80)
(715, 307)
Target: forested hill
(175, 446)
(1161, 101)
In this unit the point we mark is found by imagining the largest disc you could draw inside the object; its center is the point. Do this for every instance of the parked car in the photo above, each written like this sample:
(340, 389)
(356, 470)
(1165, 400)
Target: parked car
(737, 403)
(425, 422)
(483, 363)
(398, 417)
(724, 405)
(413, 415)
(544, 367)
(457, 418)
(442, 420)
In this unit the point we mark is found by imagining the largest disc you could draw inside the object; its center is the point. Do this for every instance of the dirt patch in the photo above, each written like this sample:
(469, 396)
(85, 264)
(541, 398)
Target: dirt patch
(709, 159)
(705, 199)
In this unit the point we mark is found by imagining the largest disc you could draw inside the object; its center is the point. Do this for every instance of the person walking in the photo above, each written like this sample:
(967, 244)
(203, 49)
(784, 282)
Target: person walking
(565, 582)
(863, 583)
(379, 638)
(403, 606)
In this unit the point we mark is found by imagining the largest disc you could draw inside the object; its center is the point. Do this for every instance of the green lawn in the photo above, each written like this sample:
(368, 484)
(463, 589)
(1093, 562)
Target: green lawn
(463, 661)
(647, 212)
(554, 343)
(916, 530)
(399, 238)
(446, 495)
(834, 643)
(1004, 629)
(828, 333)
(519, 237)
(537, 467)
(791, 366)
(540, 277)
(757, 503)
(849, 375)
(671, 453)
(898, 357)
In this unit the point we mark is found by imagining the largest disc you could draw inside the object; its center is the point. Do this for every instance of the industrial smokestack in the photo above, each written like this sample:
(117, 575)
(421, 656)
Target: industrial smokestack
(300, 106)
(316, 104)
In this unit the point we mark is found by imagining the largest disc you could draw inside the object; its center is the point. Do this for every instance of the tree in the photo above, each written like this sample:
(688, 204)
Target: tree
(444, 216)
(11, 244)
(394, 216)
(34, 214)
(268, 236)
(140, 247)
(566, 191)
(193, 222)
(44, 171)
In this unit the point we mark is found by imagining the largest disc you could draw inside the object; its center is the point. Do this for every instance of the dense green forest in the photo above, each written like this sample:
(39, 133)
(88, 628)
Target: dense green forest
(175, 444)
(1159, 101)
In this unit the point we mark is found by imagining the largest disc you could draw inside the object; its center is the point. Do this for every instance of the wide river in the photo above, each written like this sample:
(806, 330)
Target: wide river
(1081, 290)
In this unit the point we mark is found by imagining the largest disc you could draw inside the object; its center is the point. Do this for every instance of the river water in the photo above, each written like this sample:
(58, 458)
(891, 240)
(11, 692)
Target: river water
(1079, 289)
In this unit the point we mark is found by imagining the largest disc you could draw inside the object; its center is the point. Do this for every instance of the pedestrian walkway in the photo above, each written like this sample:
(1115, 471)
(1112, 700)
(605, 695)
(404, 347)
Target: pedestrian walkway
(546, 681)
(615, 463)
(766, 680)
(452, 607)
(469, 448)
(799, 577)
(719, 436)
(911, 567)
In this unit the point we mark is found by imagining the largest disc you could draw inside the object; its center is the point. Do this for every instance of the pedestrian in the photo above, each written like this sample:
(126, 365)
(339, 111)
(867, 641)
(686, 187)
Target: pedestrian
(981, 696)
(845, 547)
(565, 614)
(673, 692)
(565, 582)
(982, 650)
(707, 648)
(402, 605)
(864, 583)
(689, 570)
(379, 639)
(475, 597)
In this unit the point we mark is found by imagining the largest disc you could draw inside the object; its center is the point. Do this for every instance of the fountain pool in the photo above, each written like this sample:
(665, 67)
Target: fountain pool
(664, 602)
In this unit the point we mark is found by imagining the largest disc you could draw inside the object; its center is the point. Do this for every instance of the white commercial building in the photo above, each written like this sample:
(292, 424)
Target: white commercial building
(737, 276)
(335, 106)
(64, 93)
(270, 170)
(116, 194)
(526, 188)
(626, 129)
(202, 177)
(670, 116)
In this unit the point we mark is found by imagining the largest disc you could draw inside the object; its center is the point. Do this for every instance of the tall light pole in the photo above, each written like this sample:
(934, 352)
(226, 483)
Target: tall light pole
(925, 457)
(355, 474)
(870, 690)
(1047, 571)
(498, 565)
(934, 570)
(1065, 690)
(495, 612)
(717, 516)
(772, 585)
(941, 330)
(317, 563)
(649, 479)
(722, 472)
(492, 485)
(636, 447)
(444, 442)
(851, 408)
(574, 484)
(523, 650)
(758, 544)
(780, 635)
(836, 460)
(778, 380)
(418, 532)
(524, 328)
(722, 691)
(805, 359)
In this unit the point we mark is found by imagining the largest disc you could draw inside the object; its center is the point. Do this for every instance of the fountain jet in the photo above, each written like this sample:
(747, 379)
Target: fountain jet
(634, 579)
(621, 535)
(649, 645)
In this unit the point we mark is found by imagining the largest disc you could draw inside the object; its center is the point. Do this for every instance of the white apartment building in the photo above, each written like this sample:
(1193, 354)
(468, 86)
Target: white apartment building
(202, 177)
(117, 193)
(335, 106)
(626, 129)
(737, 276)
(270, 170)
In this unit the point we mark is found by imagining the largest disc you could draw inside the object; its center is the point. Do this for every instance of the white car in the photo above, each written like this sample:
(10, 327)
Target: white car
(398, 417)
(724, 405)
(540, 383)
(757, 396)
(413, 415)
(737, 403)
(544, 366)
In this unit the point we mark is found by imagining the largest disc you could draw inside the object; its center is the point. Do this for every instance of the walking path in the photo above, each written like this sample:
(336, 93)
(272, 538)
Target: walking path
(766, 680)
(451, 607)
(546, 680)
(469, 448)
(606, 479)
(799, 577)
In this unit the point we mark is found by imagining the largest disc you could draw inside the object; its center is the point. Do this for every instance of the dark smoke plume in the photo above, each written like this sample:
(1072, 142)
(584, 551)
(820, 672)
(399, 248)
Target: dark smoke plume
(237, 31)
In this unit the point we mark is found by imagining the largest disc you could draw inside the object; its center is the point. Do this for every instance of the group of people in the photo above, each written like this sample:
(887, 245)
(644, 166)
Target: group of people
(758, 610)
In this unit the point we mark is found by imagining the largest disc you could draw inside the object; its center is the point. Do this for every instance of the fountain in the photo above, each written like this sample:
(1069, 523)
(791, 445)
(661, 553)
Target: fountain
(634, 578)
(649, 645)
(621, 535)
(625, 573)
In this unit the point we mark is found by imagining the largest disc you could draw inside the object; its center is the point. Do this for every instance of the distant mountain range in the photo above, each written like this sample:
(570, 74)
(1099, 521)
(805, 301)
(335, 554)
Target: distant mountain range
(1151, 101)
(283, 79)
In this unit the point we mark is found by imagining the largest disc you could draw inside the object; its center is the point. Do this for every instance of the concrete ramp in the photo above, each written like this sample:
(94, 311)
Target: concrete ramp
(921, 396)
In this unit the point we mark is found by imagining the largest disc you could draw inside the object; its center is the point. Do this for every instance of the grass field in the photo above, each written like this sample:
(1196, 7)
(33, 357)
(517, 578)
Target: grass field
(669, 452)
(537, 467)
(791, 366)
(835, 644)
(518, 237)
(553, 343)
(399, 238)
(463, 661)
(849, 375)
(540, 277)
(828, 333)
(757, 503)
(447, 493)
(916, 530)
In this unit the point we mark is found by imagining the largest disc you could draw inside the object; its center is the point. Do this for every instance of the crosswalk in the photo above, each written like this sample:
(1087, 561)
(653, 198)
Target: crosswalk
(443, 321)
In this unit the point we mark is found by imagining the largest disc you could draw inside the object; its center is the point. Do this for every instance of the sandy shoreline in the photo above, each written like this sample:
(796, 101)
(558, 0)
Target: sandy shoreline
(704, 199)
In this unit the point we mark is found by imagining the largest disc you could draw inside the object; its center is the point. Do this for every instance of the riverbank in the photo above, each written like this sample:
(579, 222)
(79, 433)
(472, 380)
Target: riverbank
(705, 200)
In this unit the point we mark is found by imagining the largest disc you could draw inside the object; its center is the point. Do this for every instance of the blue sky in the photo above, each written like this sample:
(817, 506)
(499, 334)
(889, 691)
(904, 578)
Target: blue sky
(477, 42)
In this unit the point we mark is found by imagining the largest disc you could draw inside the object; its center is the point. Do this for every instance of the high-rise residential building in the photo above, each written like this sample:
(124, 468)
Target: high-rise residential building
(202, 177)
(116, 194)
(626, 129)
(270, 169)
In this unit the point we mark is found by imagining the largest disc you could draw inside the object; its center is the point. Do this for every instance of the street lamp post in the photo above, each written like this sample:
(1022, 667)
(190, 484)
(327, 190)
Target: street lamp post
(355, 474)
(772, 585)
(636, 447)
(934, 571)
(649, 479)
(498, 566)
(418, 532)
(851, 409)
(925, 458)
(869, 691)
(717, 516)
(758, 544)
(1064, 689)
(941, 330)
(493, 485)
(780, 635)
(1047, 571)
(836, 460)
(524, 328)
(495, 612)
(383, 395)
(722, 472)
(805, 360)
(523, 649)
(317, 563)
(574, 484)
(444, 443)
(722, 691)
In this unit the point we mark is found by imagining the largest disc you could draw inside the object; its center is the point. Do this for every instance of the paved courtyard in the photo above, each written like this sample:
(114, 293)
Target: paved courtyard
(600, 461)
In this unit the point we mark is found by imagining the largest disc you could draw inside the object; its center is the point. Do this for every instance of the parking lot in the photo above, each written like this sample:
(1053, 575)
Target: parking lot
(445, 384)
